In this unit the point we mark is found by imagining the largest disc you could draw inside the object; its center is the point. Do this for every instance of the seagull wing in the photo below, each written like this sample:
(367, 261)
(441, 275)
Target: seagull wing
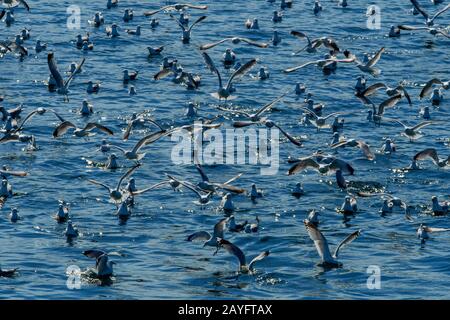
(366, 150)
(303, 164)
(138, 192)
(233, 179)
(270, 104)
(126, 175)
(99, 184)
(429, 152)
(240, 124)
(259, 257)
(388, 103)
(197, 21)
(212, 67)
(219, 228)
(300, 35)
(234, 250)
(427, 88)
(200, 235)
(54, 70)
(69, 80)
(14, 173)
(254, 43)
(422, 124)
(375, 58)
(288, 136)
(178, 22)
(319, 241)
(213, 44)
(341, 165)
(202, 172)
(25, 4)
(346, 241)
(289, 70)
(93, 253)
(373, 88)
(241, 71)
(411, 28)
(62, 128)
(93, 125)
(418, 8)
(440, 12)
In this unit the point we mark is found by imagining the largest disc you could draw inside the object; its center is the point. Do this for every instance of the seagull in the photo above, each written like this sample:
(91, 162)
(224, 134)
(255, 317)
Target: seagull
(14, 215)
(327, 64)
(252, 227)
(86, 108)
(355, 143)
(8, 273)
(39, 111)
(103, 266)
(429, 21)
(203, 197)
(234, 250)
(13, 113)
(314, 44)
(135, 32)
(423, 231)
(177, 7)
(269, 124)
(134, 154)
(368, 66)
(319, 121)
(317, 7)
(322, 247)
(388, 147)
(413, 133)
(298, 190)
(155, 51)
(439, 209)
(210, 240)
(62, 128)
(436, 97)
(255, 193)
(112, 31)
(323, 165)
(129, 75)
(5, 173)
(71, 232)
(276, 38)
(227, 204)
(224, 92)
(186, 36)
(40, 46)
(252, 24)
(138, 119)
(234, 40)
(433, 31)
(400, 89)
(429, 85)
(128, 15)
(124, 211)
(313, 217)
(154, 23)
(349, 206)
(97, 20)
(432, 153)
(387, 207)
(116, 194)
(63, 212)
(234, 227)
(63, 86)
(277, 17)
(377, 115)
(112, 4)
(10, 4)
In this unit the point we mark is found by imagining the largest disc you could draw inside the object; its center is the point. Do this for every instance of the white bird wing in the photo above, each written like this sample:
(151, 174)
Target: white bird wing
(213, 44)
(375, 58)
(427, 88)
(259, 257)
(200, 235)
(440, 12)
(93, 253)
(303, 164)
(62, 128)
(241, 71)
(93, 125)
(197, 21)
(346, 241)
(234, 250)
(270, 104)
(373, 88)
(210, 64)
(54, 70)
(219, 228)
(69, 80)
(126, 175)
(319, 241)
(422, 124)
(418, 8)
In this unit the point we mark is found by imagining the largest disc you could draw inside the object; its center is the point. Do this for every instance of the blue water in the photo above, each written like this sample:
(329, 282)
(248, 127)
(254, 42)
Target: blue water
(158, 262)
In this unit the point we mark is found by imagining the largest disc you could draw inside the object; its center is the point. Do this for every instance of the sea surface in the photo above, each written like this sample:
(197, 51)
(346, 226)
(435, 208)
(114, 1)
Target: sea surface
(157, 261)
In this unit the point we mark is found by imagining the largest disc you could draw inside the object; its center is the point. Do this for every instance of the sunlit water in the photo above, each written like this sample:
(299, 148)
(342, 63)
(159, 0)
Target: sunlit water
(158, 262)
